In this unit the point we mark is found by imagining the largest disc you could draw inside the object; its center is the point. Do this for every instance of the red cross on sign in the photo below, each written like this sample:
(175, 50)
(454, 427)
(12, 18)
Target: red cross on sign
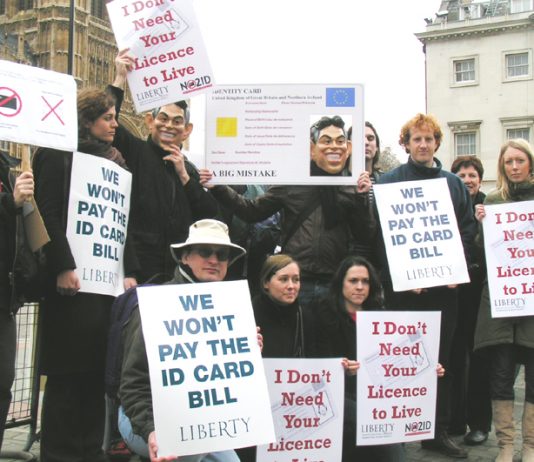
(52, 110)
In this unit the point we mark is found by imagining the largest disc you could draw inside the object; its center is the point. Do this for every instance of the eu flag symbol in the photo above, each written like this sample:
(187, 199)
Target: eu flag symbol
(340, 97)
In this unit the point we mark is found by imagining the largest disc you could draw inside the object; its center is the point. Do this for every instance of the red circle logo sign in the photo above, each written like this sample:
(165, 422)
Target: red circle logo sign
(10, 102)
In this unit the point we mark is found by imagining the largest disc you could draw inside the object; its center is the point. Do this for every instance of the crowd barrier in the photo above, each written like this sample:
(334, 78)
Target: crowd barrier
(25, 401)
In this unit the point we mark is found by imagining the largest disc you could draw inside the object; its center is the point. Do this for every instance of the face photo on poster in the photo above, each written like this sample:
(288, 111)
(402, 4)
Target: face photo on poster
(330, 148)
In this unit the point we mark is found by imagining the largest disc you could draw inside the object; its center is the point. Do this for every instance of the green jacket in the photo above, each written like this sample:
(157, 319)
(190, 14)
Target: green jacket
(135, 393)
(497, 331)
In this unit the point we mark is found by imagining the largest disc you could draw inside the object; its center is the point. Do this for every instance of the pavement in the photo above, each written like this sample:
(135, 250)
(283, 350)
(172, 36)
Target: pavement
(15, 439)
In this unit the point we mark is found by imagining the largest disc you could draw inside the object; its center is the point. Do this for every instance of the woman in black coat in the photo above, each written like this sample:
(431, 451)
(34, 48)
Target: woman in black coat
(285, 328)
(277, 311)
(354, 287)
(74, 325)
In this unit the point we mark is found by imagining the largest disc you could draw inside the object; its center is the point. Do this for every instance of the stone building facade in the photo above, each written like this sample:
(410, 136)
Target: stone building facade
(479, 76)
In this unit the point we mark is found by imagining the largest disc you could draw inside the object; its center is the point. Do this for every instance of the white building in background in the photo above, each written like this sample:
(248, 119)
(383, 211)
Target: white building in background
(479, 79)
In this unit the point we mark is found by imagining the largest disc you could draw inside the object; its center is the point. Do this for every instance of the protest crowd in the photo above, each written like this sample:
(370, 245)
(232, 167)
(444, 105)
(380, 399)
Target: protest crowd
(319, 261)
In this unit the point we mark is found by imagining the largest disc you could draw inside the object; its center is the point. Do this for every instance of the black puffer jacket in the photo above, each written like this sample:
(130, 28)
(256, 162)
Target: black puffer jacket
(8, 213)
(317, 248)
(162, 209)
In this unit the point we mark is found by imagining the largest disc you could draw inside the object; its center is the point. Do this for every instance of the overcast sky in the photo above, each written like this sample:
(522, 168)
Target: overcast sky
(334, 41)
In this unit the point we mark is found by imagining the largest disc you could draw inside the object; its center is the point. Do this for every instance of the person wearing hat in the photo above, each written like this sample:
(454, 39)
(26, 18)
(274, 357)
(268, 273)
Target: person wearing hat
(13, 193)
(203, 257)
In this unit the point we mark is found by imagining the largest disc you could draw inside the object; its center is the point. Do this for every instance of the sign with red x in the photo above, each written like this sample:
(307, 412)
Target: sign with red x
(52, 110)
(38, 107)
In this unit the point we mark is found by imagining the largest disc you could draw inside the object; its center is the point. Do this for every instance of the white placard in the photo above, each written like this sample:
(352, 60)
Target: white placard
(171, 62)
(307, 407)
(38, 107)
(508, 242)
(397, 379)
(260, 134)
(209, 391)
(423, 244)
(99, 206)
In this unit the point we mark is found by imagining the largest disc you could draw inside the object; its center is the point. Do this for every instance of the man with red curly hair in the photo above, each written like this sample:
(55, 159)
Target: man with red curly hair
(421, 137)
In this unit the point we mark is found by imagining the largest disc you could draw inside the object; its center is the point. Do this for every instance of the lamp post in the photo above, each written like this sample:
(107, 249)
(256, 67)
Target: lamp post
(70, 65)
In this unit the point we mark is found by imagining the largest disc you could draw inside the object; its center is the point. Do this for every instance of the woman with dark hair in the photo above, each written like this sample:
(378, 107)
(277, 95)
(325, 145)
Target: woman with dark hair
(471, 403)
(74, 325)
(277, 311)
(509, 340)
(287, 331)
(355, 287)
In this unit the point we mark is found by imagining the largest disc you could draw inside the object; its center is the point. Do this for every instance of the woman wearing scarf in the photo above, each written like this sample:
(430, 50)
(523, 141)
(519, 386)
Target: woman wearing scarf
(74, 325)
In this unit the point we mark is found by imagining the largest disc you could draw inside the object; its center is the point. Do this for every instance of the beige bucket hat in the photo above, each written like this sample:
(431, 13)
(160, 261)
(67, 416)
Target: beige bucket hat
(208, 231)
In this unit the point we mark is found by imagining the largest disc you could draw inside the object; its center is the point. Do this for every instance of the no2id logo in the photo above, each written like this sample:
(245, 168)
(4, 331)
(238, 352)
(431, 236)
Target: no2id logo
(196, 84)
(418, 427)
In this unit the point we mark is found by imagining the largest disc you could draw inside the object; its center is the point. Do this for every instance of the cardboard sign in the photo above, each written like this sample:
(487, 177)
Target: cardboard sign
(99, 206)
(508, 242)
(307, 407)
(260, 134)
(397, 380)
(209, 391)
(38, 107)
(423, 244)
(171, 62)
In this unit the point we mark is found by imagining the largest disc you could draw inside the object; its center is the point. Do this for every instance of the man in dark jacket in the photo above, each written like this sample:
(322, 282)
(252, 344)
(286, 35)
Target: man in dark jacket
(11, 200)
(203, 257)
(318, 222)
(421, 137)
(166, 194)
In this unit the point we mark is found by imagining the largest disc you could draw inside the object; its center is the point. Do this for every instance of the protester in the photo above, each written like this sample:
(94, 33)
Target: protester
(287, 330)
(203, 257)
(74, 325)
(354, 287)
(166, 194)
(508, 341)
(317, 224)
(421, 137)
(13, 194)
(364, 248)
(329, 148)
(471, 403)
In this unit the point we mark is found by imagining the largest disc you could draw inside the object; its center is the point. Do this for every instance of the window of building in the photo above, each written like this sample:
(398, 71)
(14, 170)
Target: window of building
(473, 11)
(523, 132)
(465, 144)
(25, 5)
(98, 9)
(2, 6)
(517, 65)
(464, 71)
(466, 136)
(518, 6)
(517, 127)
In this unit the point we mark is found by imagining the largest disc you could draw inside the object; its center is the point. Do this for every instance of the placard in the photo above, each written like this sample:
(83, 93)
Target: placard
(99, 205)
(423, 244)
(209, 391)
(397, 380)
(171, 62)
(260, 134)
(508, 243)
(307, 407)
(38, 107)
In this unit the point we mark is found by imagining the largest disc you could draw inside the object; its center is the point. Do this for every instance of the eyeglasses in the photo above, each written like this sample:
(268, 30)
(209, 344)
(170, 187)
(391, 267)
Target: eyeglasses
(222, 254)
